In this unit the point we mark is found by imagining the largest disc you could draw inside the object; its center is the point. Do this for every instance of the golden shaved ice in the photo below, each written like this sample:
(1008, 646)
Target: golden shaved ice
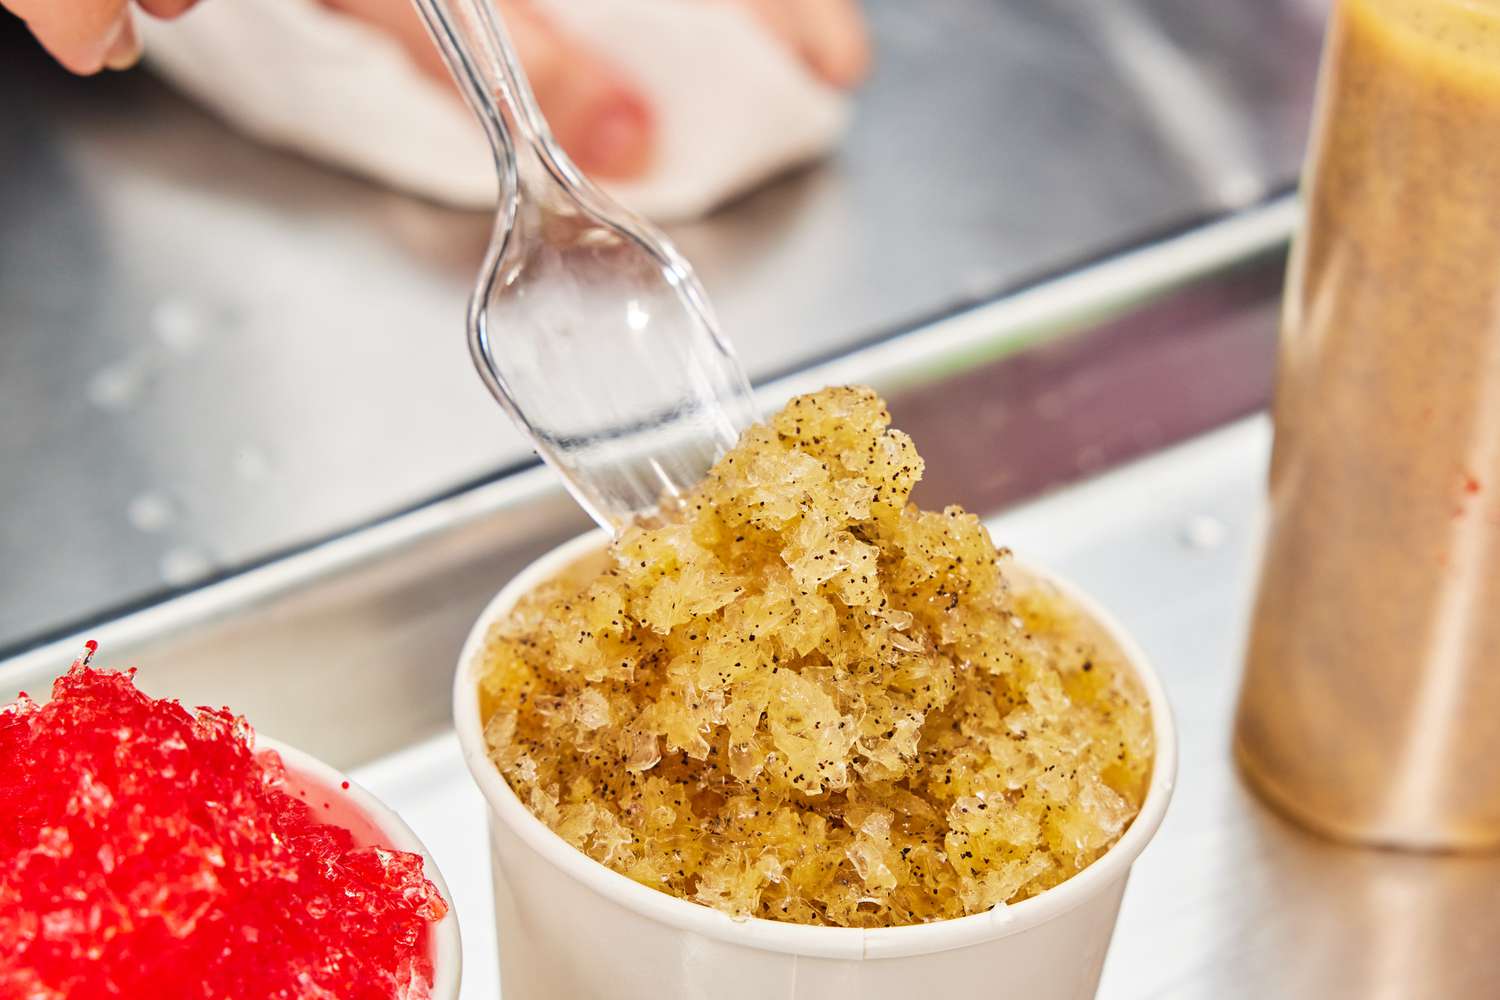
(797, 696)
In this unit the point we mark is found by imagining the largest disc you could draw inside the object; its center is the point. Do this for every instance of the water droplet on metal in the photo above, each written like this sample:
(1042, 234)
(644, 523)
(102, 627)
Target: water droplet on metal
(183, 565)
(178, 324)
(981, 282)
(114, 388)
(1204, 532)
(251, 464)
(1090, 458)
(151, 512)
(1239, 187)
(994, 415)
(1051, 405)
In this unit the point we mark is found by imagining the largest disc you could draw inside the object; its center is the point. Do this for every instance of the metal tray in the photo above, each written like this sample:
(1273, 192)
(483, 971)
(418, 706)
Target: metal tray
(1229, 900)
(347, 648)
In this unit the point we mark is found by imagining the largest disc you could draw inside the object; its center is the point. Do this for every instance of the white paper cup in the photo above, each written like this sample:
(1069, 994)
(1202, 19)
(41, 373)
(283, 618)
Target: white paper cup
(372, 822)
(571, 928)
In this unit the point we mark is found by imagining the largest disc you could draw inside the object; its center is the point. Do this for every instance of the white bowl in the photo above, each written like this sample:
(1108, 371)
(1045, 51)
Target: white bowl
(372, 822)
(570, 927)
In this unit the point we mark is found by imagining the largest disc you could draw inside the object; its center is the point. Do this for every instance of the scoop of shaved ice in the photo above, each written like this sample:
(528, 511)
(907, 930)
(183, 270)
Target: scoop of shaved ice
(795, 695)
(151, 852)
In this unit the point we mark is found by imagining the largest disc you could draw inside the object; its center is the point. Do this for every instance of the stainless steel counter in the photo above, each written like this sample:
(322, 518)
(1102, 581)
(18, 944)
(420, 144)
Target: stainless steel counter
(347, 648)
(212, 354)
(1230, 901)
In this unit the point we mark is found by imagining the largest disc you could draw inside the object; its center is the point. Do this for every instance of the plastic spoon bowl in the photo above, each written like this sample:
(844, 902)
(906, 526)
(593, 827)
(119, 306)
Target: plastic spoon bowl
(585, 324)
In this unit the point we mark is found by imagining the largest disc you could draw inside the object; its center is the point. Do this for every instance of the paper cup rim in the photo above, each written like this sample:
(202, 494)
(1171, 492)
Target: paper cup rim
(805, 939)
(446, 947)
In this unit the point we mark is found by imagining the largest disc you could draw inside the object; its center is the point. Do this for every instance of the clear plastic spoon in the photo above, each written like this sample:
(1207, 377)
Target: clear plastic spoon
(585, 324)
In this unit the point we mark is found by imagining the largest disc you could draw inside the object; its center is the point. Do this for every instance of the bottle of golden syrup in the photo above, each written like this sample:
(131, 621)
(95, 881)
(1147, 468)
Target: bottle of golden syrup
(1371, 700)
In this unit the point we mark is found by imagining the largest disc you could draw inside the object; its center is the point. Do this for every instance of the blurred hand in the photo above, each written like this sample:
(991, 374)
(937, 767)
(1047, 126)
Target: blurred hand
(828, 35)
(594, 110)
(89, 35)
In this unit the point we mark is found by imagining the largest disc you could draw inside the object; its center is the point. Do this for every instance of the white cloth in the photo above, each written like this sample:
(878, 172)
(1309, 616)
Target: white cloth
(732, 106)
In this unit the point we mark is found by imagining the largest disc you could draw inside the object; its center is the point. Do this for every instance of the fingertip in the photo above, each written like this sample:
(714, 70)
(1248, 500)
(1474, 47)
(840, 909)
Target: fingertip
(78, 60)
(126, 50)
(615, 140)
(593, 111)
(166, 10)
(838, 49)
(103, 39)
(846, 66)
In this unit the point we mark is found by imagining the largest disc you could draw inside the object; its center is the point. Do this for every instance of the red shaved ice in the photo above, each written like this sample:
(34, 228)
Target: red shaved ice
(149, 851)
